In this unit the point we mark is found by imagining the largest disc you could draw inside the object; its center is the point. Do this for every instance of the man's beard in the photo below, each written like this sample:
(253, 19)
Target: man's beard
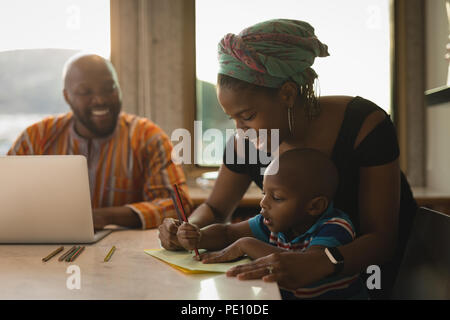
(100, 132)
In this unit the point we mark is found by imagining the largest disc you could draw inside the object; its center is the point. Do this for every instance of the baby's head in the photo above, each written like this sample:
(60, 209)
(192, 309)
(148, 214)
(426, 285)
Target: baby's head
(299, 192)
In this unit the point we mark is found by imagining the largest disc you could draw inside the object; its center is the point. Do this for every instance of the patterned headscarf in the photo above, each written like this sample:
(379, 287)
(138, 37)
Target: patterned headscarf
(271, 52)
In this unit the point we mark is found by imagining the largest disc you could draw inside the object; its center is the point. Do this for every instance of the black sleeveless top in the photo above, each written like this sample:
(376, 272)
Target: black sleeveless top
(379, 147)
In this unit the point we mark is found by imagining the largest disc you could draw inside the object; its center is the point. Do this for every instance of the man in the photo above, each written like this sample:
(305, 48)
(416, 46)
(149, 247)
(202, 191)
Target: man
(129, 158)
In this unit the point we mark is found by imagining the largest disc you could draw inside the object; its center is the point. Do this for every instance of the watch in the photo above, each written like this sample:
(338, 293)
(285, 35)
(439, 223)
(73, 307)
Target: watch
(336, 259)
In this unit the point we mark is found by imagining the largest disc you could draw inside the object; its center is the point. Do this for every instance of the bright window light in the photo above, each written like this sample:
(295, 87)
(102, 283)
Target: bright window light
(37, 38)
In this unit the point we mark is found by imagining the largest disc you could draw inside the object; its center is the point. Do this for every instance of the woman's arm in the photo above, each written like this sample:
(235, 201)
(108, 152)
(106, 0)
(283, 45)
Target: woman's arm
(223, 200)
(228, 190)
(379, 203)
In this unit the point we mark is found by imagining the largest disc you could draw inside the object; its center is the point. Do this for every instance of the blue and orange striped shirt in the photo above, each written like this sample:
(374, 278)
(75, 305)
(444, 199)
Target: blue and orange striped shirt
(132, 167)
(332, 229)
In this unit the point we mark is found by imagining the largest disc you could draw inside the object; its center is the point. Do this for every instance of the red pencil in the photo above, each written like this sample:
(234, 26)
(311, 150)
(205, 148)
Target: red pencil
(183, 214)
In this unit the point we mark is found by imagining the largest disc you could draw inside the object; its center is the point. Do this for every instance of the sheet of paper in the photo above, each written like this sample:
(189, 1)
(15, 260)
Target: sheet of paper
(185, 261)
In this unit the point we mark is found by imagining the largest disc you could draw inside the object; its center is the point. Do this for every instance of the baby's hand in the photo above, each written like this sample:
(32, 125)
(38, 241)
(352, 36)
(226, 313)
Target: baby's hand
(188, 236)
(230, 253)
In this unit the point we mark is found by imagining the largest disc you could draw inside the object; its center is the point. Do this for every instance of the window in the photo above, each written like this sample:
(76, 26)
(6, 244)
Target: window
(37, 38)
(357, 34)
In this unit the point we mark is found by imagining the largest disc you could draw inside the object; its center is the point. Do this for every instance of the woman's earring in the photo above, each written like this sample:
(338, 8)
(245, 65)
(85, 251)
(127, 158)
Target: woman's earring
(291, 119)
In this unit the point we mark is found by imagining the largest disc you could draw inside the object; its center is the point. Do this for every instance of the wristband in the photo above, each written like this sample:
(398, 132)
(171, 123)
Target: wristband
(336, 259)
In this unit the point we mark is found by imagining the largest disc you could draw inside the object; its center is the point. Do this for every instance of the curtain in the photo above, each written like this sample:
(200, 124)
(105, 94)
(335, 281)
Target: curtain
(409, 87)
(152, 48)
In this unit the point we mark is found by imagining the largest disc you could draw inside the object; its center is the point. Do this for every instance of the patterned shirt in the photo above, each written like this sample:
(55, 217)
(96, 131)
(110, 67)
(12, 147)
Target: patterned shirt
(332, 229)
(131, 167)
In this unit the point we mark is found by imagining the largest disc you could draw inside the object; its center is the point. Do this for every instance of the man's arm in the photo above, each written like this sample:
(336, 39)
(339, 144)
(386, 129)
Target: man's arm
(121, 216)
(23, 144)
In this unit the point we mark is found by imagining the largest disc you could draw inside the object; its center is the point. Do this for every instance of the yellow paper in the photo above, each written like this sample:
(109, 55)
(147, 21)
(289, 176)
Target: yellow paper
(185, 261)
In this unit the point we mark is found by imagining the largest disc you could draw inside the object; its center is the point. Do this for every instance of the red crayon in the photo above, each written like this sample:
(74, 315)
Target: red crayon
(180, 209)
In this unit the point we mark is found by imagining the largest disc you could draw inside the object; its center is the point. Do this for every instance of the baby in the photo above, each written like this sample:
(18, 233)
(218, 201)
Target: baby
(297, 214)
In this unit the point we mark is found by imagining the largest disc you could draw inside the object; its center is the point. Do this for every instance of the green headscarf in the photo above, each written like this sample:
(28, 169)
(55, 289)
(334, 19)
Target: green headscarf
(271, 52)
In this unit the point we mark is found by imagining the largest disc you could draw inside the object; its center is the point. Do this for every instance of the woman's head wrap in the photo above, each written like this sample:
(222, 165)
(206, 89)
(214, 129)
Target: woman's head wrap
(271, 52)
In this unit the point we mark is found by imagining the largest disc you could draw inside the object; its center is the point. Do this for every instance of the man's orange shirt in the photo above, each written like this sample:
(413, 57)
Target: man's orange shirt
(132, 167)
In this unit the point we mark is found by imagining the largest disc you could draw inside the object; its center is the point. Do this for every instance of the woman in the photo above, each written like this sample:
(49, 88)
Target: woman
(266, 82)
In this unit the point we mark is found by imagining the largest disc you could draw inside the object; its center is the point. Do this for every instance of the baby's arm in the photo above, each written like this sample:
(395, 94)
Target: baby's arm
(250, 246)
(212, 237)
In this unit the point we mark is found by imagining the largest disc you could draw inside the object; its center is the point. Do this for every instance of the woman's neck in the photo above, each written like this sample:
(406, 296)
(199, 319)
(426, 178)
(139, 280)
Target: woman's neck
(301, 130)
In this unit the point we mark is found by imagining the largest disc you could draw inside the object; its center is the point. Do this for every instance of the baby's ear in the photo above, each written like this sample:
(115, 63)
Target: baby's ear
(316, 206)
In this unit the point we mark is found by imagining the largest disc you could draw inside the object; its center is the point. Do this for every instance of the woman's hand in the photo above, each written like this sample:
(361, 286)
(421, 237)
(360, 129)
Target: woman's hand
(291, 270)
(226, 194)
(188, 236)
(168, 234)
(232, 252)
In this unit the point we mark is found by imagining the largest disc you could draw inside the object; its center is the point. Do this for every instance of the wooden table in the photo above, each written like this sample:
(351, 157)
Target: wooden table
(130, 274)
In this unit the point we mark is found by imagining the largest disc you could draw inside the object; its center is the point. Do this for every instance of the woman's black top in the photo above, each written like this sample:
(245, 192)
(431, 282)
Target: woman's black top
(379, 147)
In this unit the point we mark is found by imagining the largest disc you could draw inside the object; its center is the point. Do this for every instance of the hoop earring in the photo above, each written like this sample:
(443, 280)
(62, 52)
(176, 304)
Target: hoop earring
(314, 107)
(291, 119)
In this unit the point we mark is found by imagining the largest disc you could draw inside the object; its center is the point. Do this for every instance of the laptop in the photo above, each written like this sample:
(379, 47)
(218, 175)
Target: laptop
(46, 199)
(425, 269)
